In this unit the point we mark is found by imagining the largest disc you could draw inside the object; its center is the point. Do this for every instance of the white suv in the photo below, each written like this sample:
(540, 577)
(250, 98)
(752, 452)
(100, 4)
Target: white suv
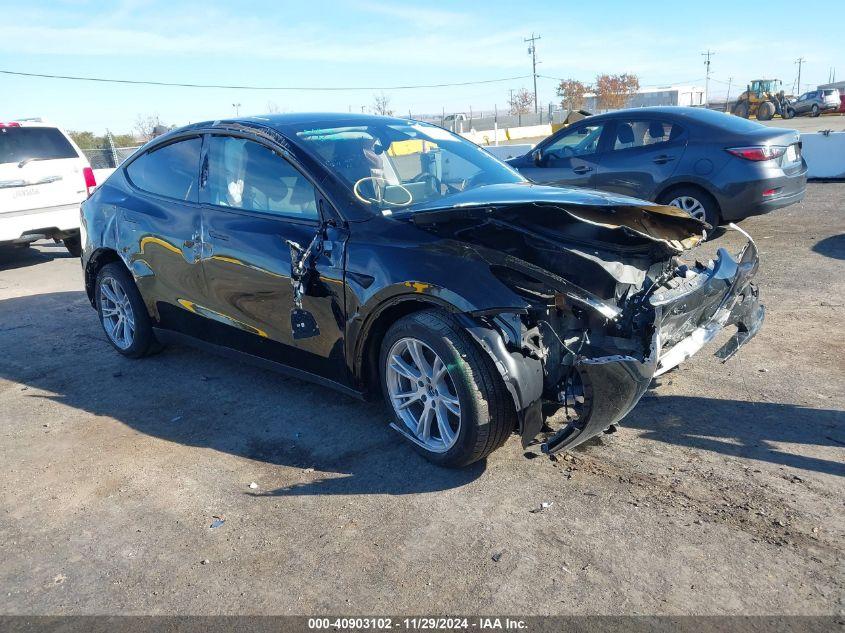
(44, 177)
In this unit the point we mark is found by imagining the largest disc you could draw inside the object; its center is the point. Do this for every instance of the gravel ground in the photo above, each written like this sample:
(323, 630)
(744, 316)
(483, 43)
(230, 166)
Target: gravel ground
(721, 494)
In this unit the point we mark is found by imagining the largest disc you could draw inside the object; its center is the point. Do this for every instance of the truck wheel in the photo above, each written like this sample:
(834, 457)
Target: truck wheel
(765, 111)
(788, 113)
(741, 110)
(446, 395)
(122, 312)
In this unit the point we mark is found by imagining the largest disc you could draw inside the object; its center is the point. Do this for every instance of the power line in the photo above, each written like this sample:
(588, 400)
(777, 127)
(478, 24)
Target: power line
(237, 87)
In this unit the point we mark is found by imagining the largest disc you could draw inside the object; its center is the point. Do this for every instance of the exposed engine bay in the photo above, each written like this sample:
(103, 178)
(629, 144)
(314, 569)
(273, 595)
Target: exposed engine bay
(611, 305)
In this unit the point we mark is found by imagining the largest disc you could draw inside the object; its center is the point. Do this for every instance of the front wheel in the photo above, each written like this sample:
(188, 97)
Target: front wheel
(447, 397)
(122, 312)
(815, 110)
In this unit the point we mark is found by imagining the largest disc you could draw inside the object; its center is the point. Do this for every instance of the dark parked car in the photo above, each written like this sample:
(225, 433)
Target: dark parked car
(717, 167)
(379, 255)
(816, 102)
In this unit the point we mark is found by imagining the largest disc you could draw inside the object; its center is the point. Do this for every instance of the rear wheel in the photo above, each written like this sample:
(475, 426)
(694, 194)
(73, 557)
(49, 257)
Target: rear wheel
(697, 202)
(447, 397)
(741, 109)
(815, 110)
(122, 312)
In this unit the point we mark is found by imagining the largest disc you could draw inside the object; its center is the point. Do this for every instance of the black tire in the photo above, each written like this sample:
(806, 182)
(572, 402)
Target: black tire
(765, 111)
(73, 244)
(788, 113)
(708, 202)
(487, 411)
(143, 340)
(741, 110)
(815, 110)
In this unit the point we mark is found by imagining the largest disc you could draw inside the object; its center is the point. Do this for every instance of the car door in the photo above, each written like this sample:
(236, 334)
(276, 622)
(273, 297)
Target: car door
(644, 153)
(568, 159)
(161, 222)
(802, 105)
(260, 215)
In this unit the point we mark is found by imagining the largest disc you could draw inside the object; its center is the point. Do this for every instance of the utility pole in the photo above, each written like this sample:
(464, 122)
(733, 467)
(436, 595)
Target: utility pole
(707, 57)
(800, 61)
(728, 96)
(237, 107)
(532, 50)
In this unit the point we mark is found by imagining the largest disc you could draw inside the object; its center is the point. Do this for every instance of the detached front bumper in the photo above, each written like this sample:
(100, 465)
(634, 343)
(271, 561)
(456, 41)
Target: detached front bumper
(688, 315)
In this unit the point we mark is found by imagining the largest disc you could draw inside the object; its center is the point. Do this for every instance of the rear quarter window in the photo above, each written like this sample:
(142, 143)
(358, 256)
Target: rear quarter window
(169, 171)
(42, 143)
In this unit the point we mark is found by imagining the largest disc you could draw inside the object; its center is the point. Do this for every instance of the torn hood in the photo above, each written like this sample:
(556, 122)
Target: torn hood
(671, 226)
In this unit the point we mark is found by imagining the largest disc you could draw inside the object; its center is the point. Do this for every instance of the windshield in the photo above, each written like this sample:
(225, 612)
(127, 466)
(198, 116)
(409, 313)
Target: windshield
(19, 144)
(396, 165)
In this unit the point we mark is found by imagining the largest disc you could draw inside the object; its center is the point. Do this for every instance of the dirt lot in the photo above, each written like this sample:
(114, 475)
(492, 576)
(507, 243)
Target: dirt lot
(723, 492)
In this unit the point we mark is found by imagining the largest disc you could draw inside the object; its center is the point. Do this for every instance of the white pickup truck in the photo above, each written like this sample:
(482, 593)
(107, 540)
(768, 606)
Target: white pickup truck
(44, 177)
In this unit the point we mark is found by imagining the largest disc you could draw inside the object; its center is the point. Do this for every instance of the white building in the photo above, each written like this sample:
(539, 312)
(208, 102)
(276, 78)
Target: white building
(659, 96)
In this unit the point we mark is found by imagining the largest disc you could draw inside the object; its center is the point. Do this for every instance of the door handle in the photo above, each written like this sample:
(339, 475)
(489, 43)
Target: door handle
(662, 160)
(583, 169)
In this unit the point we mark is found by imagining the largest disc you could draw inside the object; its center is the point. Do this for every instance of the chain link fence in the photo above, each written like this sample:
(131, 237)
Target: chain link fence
(108, 158)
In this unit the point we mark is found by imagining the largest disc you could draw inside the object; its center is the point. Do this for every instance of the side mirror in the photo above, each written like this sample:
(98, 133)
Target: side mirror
(537, 156)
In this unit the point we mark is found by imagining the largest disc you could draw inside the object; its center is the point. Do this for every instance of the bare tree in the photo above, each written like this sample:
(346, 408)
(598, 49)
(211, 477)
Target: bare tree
(145, 126)
(572, 92)
(521, 101)
(381, 105)
(613, 91)
(272, 107)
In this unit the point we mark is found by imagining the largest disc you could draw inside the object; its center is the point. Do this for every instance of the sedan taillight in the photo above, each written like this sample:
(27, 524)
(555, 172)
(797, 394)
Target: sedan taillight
(758, 152)
(90, 181)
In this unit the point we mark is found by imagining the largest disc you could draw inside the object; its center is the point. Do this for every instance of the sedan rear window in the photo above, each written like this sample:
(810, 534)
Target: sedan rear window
(18, 144)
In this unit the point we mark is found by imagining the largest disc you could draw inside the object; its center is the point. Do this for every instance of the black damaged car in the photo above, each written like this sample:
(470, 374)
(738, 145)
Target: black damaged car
(379, 255)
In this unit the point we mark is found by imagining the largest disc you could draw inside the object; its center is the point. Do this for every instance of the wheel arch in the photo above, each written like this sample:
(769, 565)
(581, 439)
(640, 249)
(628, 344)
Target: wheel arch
(367, 345)
(682, 184)
(98, 259)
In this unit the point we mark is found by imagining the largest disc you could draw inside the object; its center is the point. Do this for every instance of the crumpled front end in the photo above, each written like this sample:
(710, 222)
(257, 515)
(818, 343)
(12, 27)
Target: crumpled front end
(689, 311)
(610, 305)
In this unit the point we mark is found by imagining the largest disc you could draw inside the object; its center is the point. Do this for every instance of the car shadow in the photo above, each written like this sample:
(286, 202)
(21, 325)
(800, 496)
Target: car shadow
(12, 257)
(833, 246)
(750, 430)
(334, 443)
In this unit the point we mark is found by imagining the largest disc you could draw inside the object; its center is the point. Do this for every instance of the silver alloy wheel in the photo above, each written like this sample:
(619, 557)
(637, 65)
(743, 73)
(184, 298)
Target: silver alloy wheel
(690, 205)
(116, 313)
(423, 394)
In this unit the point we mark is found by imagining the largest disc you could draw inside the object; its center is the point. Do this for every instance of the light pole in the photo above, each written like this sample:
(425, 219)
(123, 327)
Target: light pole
(237, 107)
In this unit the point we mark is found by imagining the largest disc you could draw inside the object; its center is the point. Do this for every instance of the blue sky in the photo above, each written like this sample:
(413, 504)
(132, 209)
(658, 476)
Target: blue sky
(369, 43)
